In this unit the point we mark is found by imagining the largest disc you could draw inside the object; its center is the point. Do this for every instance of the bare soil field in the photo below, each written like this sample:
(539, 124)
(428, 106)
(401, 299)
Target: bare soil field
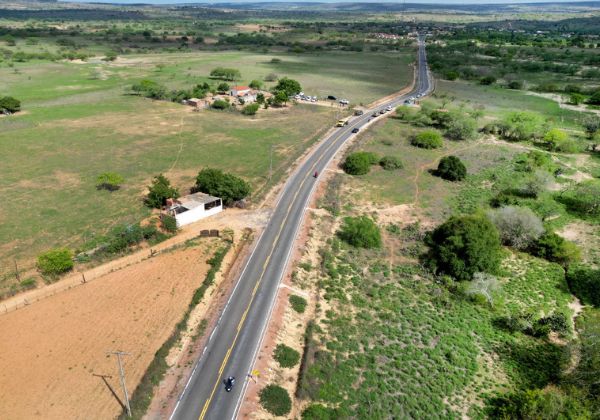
(54, 352)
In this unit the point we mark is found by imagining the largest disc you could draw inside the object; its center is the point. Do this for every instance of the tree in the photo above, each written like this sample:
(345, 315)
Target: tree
(280, 98)
(159, 191)
(515, 84)
(220, 104)
(485, 285)
(521, 126)
(286, 356)
(150, 89)
(591, 125)
(461, 128)
(222, 87)
(110, 56)
(271, 77)
(428, 139)
(519, 227)
(555, 248)
(55, 262)
(583, 198)
(451, 75)
(110, 181)
(390, 163)
(250, 109)
(275, 400)
(548, 403)
(487, 80)
(260, 98)
(8, 104)
(225, 73)
(536, 183)
(451, 169)
(360, 232)
(595, 98)
(576, 98)
(359, 163)
(228, 187)
(320, 412)
(290, 86)
(255, 84)
(558, 140)
(463, 246)
(584, 282)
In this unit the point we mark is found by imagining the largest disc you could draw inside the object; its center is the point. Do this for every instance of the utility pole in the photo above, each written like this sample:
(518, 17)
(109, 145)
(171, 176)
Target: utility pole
(122, 376)
(17, 275)
(271, 163)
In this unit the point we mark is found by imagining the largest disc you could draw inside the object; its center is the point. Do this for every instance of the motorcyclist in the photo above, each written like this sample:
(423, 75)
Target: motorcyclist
(316, 174)
(229, 383)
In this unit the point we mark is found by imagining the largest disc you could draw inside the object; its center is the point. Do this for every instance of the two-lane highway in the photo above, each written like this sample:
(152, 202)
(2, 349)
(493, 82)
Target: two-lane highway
(234, 343)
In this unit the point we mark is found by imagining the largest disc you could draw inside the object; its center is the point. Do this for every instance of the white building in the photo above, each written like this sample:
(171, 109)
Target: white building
(194, 207)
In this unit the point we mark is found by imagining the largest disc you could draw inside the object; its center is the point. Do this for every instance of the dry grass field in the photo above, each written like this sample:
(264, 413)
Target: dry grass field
(54, 350)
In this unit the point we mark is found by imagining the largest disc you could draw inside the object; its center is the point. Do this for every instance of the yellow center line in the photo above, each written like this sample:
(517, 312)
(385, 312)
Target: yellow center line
(275, 242)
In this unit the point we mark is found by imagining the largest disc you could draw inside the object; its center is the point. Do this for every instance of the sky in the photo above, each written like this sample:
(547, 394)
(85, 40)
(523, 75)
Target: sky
(465, 2)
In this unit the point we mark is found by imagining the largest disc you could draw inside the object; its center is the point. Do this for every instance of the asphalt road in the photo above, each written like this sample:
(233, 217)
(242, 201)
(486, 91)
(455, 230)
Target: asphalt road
(235, 341)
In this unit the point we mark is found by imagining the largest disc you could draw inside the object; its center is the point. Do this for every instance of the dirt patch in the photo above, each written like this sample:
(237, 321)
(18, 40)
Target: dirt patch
(56, 349)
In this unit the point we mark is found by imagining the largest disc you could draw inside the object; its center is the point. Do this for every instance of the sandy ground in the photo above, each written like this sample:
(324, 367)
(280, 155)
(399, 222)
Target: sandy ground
(52, 351)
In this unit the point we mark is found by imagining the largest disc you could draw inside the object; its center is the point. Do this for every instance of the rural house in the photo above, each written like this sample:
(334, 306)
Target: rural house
(193, 207)
(244, 93)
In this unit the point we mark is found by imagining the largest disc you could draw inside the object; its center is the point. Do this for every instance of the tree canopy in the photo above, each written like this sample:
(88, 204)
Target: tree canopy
(463, 246)
(226, 73)
(228, 187)
(290, 86)
(159, 191)
(110, 181)
(361, 232)
(9, 104)
(451, 168)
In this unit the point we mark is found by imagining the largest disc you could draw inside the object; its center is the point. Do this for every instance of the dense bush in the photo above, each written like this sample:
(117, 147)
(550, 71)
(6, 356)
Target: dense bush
(225, 73)
(555, 248)
(359, 163)
(584, 283)
(428, 139)
(150, 89)
(275, 400)
(121, 237)
(251, 109)
(549, 403)
(451, 168)
(298, 303)
(487, 80)
(463, 246)
(320, 412)
(286, 356)
(518, 126)
(222, 87)
(110, 181)
(515, 84)
(518, 226)
(390, 163)
(228, 187)
(169, 223)
(9, 104)
(55, 262)
(535, 184)
(583, 198)
(558, 140)
(220, 104)
(360, 232)
(591, 125)
(461, 129)
(159, 191)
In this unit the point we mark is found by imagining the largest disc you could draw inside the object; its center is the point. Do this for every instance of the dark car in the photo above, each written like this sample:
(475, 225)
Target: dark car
(229, 382)
(374, 115)
(332, 98)
(355, 130)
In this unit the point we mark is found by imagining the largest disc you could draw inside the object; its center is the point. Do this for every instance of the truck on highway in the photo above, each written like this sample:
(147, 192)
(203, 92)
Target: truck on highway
(342, 122)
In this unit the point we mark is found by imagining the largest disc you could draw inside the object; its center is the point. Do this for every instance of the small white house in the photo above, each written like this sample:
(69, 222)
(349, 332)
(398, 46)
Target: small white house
(239, 90)
(193, 207)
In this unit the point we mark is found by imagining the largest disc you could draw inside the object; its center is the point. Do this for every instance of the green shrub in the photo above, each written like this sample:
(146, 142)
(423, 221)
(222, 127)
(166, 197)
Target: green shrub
(220, 104)
(451, 168)
(584, 283)
(110, 181)
(555, 248)
(251, 109)
(298, 303)
(159, 191)
(275, 400)
(319, 412)
(515, 84)
(55, 262)
(9, 104)
(464, 245)
(222, 87)
(549, 403)
(286, 356)
(359, 163)
(428, 139)
(289, 86)
(390, 163)
(461, 128)
(225, 73)
(361, 232)
(520, 126)
(169, 223)
(228, 187)
(558, 140)
(487, 80)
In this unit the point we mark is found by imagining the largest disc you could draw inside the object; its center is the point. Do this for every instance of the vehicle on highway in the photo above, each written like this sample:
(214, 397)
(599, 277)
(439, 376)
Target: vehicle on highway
(359, 112)
(342, 122)
(229, 382)
(316, 174)
(332, 98)
(374, 115)
(355, 130)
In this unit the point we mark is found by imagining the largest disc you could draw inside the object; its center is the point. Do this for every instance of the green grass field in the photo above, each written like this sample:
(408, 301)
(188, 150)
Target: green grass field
(77, 122)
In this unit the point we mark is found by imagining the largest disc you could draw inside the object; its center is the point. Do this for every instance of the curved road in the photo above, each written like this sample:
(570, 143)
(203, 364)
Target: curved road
(234, 343)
